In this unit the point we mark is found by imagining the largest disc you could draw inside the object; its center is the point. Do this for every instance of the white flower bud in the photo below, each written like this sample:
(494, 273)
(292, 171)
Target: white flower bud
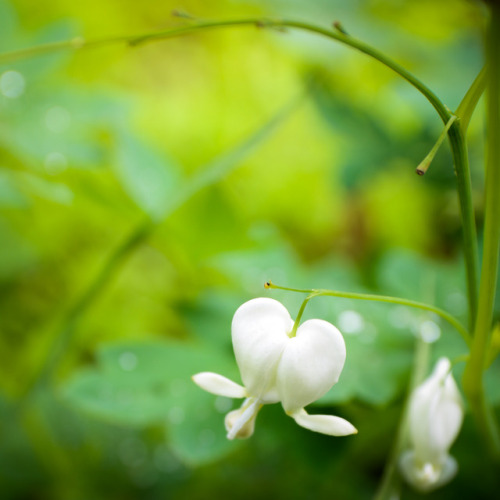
(434, 419)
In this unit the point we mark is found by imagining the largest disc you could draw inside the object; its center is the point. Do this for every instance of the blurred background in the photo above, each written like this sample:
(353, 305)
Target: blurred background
(146, 192)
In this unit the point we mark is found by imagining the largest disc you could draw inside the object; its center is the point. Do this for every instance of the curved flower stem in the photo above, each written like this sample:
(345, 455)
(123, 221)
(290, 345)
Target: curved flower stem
(134, 40)
(381, 298)
(455, 133)
(474, 370)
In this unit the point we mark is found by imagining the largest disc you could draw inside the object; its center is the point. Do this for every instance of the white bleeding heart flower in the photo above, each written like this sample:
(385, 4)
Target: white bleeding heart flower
(434, 419)
(277, 367)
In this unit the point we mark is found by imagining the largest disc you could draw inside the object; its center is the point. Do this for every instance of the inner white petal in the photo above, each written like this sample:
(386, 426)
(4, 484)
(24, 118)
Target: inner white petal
(219, 385)
(244, 415)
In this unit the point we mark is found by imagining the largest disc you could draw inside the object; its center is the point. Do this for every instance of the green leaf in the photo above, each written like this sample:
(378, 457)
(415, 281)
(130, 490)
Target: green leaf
(141, 384)
(10, 194)
(49, 190)
(149, 177)
(8, 22)
(379, 351)
(16, 255)
(408, 275)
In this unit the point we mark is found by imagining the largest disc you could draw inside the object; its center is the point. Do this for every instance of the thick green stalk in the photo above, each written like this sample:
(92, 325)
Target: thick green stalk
(473, 375)
(464, 187)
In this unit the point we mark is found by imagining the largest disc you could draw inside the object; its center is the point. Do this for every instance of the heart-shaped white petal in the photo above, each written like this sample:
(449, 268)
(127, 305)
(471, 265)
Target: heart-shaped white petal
(326, 424)
(259, 333)
(310, 365)
(219, 385)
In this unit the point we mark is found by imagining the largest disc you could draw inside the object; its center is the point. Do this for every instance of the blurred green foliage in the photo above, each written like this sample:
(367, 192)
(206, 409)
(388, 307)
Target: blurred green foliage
(145, 193)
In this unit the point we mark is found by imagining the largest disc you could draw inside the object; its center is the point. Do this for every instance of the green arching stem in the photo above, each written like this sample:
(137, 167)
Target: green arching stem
(455, 133)
(474, 370)
(381, 298)
(340, 36)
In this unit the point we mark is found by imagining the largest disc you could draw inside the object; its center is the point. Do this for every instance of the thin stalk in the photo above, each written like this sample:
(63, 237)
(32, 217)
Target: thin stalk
(381, 298)
(474, 370)
(391, 482)
(65, 332)
(134, 40)
(299, 316)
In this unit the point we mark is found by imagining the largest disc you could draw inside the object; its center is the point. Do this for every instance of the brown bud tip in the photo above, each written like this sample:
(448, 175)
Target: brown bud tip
(420, 171)
(339, 27)
(267, 284)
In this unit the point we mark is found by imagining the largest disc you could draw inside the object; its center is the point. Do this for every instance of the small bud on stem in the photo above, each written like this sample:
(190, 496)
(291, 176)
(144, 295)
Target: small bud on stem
(426, 162)
(338, 26)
